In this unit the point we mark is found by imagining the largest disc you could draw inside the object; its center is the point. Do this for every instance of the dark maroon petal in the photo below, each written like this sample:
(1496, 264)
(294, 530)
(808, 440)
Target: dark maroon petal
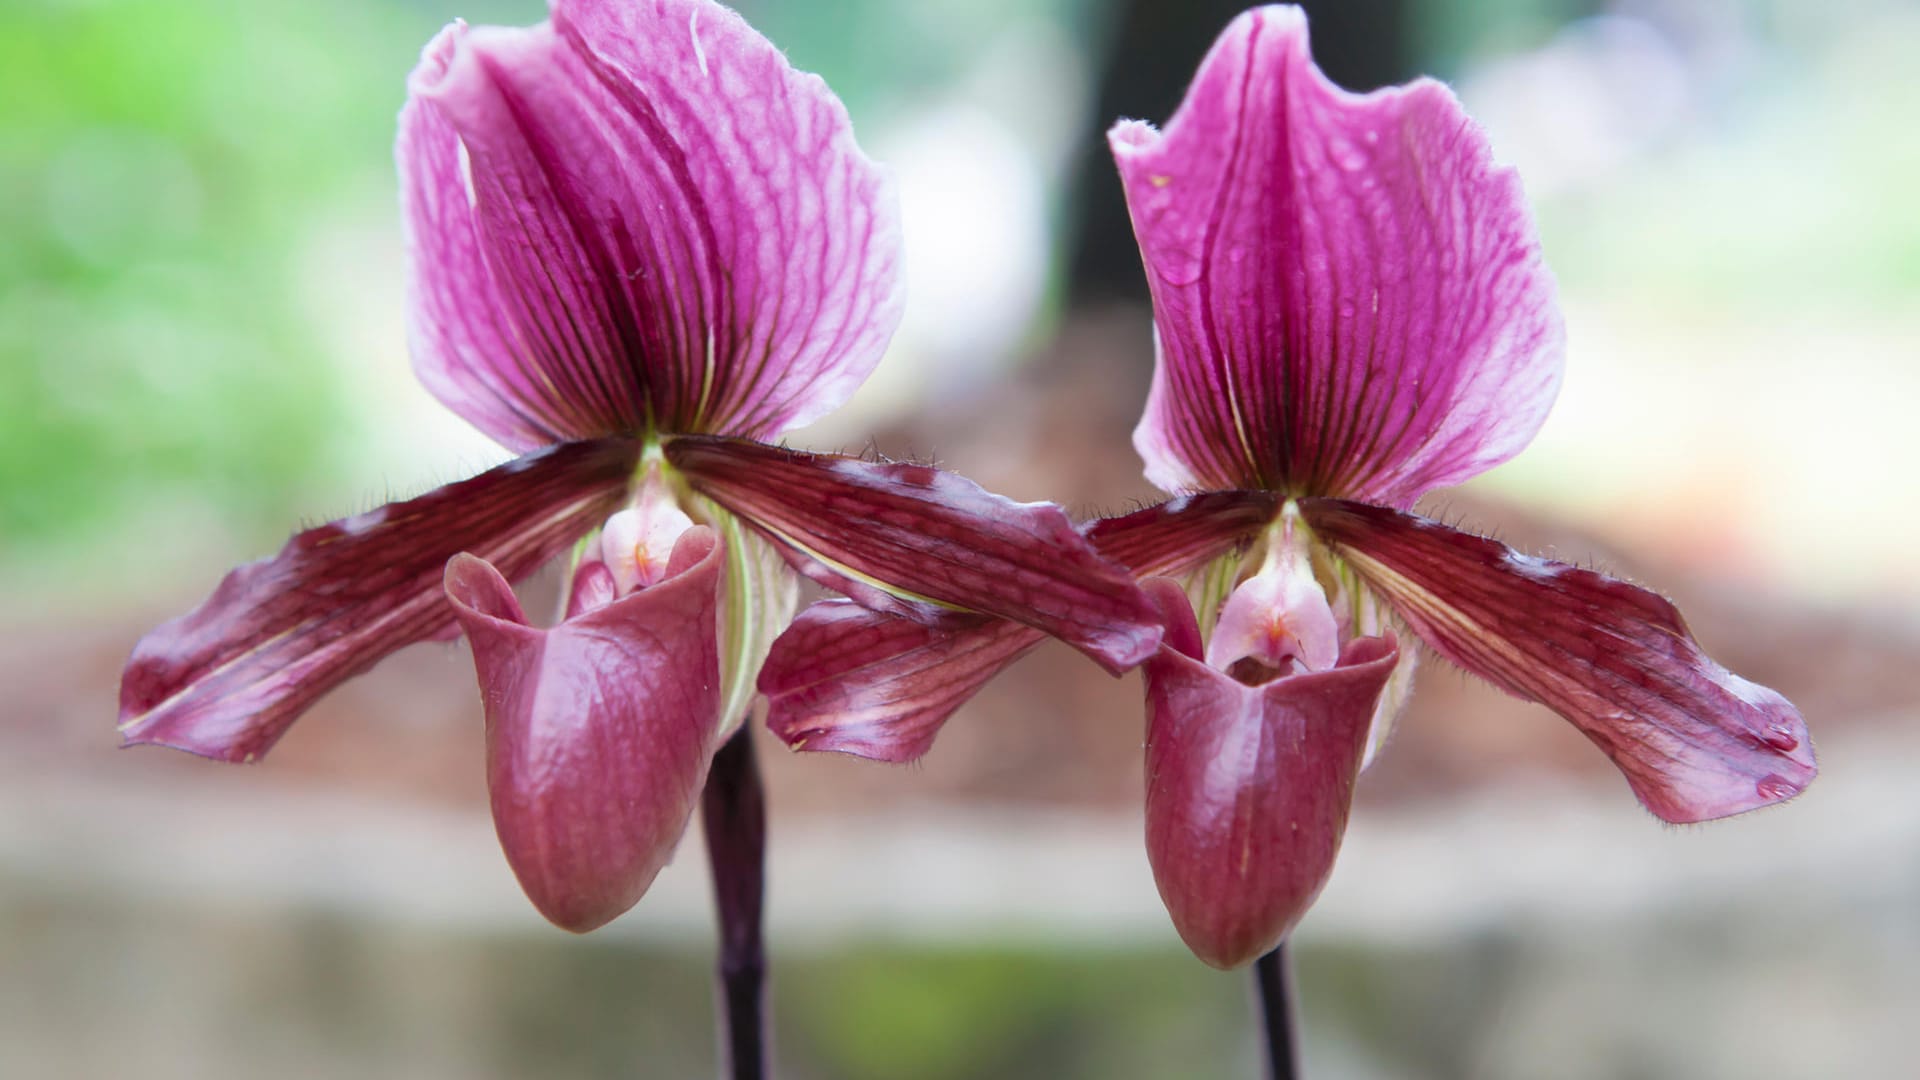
(849, 679)
(1183, 533)
(599, 730)
(1349, 294)
(227, 679)
(918, 542)
(1695, 741)
(1248, 787)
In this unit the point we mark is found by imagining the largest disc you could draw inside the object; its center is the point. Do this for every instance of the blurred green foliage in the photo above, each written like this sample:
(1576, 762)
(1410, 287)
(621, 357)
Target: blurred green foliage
(159, 160)
(879, 1012)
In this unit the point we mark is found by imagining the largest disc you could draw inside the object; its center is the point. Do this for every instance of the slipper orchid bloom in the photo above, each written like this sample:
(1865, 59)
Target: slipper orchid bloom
(1351, 311)
(640, 241)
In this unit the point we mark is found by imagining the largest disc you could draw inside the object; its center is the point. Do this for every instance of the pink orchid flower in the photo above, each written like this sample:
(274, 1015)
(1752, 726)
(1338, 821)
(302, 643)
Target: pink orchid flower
(640, 241)
(1352, 311)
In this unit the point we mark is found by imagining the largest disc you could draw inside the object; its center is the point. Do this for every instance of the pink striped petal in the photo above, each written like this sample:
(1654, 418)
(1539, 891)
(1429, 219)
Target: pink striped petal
(1248, 787)
(1695, 741)
(1349, 294)
(599, 730)
(914, 541)
(227, 679)
(668, 228)
(466, 349)
(856, 681)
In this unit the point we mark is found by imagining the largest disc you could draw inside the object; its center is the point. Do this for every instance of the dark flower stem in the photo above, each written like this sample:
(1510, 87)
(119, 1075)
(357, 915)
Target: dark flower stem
(733, 813)
(1273, 978)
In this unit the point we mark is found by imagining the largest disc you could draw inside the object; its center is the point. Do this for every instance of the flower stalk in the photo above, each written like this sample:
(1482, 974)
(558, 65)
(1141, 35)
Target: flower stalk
(733, 814)
(1274, 998)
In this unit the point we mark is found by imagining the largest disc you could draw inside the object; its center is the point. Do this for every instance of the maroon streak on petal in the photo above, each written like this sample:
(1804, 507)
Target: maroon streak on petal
(599, 730)
(1695, 741)
(849, 679)
(226, 680)
(677, 228)
(876, 531)
(862, 682)
(1180, 534)
(1248, 787)
(1349, 294)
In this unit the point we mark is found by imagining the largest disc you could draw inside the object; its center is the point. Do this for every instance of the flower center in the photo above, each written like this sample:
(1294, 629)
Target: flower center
(634, 547)
(1278, 620)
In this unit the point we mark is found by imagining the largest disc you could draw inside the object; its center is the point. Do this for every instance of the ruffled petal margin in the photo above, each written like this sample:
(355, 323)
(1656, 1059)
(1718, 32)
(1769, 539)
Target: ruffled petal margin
(1349, 294)
(1249, 787)
(227, 679)
(599, 730)
(1695, 741)
(914, 541)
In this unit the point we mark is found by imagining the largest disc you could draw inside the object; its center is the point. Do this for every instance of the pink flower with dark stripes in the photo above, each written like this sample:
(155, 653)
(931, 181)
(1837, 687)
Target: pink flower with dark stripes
(640, 241)
(1352, 311)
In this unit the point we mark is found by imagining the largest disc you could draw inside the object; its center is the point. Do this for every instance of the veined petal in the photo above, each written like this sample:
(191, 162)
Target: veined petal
(680, 230)
(1349, 294)
(863, 682)
(857, 681)
(1181, 534)
(1248, 787)
(226, 679)
(466, 349)
(1695, 741)
(599, 730)
(914, 541)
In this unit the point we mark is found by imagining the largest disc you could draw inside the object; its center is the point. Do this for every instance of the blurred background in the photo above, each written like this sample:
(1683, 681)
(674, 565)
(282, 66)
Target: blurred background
(201, 347)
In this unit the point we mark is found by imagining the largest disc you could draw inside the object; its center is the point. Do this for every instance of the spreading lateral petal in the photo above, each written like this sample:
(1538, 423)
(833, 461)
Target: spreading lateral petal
(849, 679)
(1695, 741)
(863, 682)
(226, 679)
(1176, 536)
(914, 541)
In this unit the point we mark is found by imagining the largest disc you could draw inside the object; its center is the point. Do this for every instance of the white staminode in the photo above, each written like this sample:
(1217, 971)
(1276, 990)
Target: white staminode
(1280, 613)
(637, 542)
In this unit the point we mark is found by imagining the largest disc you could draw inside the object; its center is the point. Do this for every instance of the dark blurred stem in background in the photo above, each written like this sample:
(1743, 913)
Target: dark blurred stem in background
(1156, 46)
(733, 813)
(1273, 981)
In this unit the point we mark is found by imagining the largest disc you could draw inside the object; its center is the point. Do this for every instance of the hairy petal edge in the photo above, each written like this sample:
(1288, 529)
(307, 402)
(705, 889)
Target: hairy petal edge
(1694, 740)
